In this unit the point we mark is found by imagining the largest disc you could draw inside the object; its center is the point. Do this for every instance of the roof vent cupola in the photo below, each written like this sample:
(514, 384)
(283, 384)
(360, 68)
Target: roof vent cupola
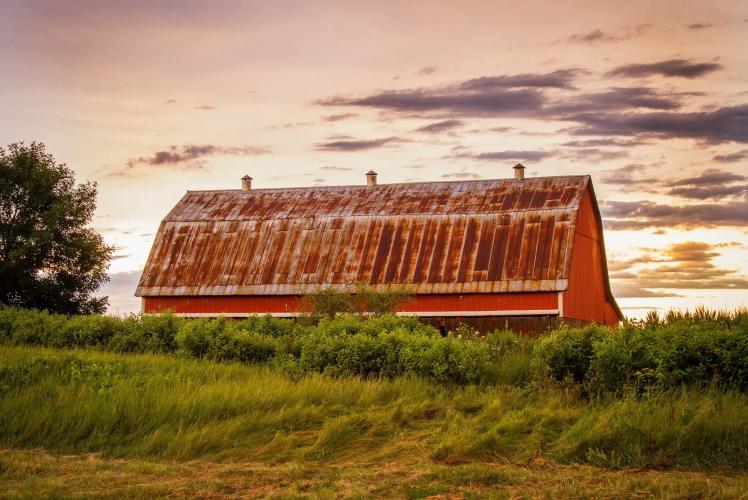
(519, 172)
(246, 183)
(371, 178)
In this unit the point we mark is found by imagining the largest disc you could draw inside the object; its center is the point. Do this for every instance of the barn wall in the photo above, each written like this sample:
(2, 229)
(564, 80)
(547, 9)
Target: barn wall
(227, 305)
(585, 299)
(514, 303)
(467, 309)
(541, 301)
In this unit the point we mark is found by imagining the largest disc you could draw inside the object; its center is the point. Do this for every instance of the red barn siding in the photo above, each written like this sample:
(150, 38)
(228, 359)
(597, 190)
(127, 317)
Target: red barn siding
(227, 305)
(468, 304)
(586, 297)
(542, 301)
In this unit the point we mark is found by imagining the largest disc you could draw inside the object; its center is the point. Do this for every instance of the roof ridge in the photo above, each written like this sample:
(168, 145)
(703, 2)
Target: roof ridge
(379, 185)
(387, 216)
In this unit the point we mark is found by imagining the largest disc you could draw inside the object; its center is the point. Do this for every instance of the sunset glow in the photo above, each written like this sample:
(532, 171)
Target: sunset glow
(150, 99)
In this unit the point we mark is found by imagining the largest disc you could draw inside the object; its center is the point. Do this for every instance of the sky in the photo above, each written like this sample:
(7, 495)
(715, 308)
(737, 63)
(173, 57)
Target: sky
(650, 98)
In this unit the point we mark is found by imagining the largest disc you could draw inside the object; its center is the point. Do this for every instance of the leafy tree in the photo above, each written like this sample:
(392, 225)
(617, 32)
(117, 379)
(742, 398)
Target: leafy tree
(368, 300)
(326, 303)
(364, 301)
(49, 259)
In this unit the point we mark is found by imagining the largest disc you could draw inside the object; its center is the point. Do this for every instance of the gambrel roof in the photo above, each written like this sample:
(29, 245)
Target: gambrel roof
(502, 235)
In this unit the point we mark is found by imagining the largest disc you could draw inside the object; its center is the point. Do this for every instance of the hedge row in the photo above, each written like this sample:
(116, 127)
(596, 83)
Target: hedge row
(683, 350)
(640, 356)
(380, 346)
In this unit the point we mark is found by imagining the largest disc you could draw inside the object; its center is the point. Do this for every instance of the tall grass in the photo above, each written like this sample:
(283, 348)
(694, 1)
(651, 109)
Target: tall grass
(160, 407)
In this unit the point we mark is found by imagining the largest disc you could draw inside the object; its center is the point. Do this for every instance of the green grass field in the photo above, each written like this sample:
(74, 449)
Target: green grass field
(78, 422)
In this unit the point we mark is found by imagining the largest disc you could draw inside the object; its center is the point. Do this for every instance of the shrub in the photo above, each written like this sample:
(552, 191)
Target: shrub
(363, 355)
(702, 353)
(449, 360)
(389, 354)
(159, 331)
(566, 353)
(203, 338)
(194, 337)
(37, 327)
(380, 302)
(626, 357)
(251, 347)
(7, 317)
(326, 303)
(506, 341)
(220, 340)
(90, 331)
(146, 333)
(696, 349)
(345, 324)
(130, 338)
(270, 326)
(348, 324)
(735, 359)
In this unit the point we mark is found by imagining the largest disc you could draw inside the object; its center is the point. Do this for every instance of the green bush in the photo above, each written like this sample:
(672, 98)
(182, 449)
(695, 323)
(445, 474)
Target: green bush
(566, 354)
(364, 301)
(200, 338)
(450, 360)
(131, 338)
(735, 359)
(388, 354)
(221, 340)
(40, 328)
(90, 331)
(389, 323)
(251, 347)
(270, 326)
(348, 324)
(7, 317)
(703, 353)
(146, 333)
(352, 353)
(628, 357)
(684, 350)
(159, 331)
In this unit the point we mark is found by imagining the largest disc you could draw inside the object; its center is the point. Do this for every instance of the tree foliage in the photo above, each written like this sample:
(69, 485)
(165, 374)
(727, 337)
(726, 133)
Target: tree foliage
(49, 258)
(365, 300)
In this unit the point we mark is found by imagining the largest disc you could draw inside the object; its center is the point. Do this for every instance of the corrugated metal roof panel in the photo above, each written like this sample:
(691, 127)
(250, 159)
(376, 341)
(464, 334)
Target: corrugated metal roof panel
(442, 237)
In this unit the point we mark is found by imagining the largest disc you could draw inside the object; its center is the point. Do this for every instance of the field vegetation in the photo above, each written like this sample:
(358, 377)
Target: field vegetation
(700, 349)
(382, 405)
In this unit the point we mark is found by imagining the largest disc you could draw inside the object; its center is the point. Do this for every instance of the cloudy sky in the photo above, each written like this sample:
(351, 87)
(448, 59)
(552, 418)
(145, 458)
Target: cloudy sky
(150, 99)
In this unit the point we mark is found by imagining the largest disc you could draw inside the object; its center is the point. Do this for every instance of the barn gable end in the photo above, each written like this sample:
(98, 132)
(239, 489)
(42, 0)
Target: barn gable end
(588, 296)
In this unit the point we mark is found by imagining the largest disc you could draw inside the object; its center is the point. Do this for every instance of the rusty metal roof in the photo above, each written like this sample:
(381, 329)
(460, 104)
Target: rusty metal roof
(442, 237)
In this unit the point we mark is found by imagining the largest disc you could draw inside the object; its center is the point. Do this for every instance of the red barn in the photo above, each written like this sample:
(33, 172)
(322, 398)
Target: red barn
(519, 253)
